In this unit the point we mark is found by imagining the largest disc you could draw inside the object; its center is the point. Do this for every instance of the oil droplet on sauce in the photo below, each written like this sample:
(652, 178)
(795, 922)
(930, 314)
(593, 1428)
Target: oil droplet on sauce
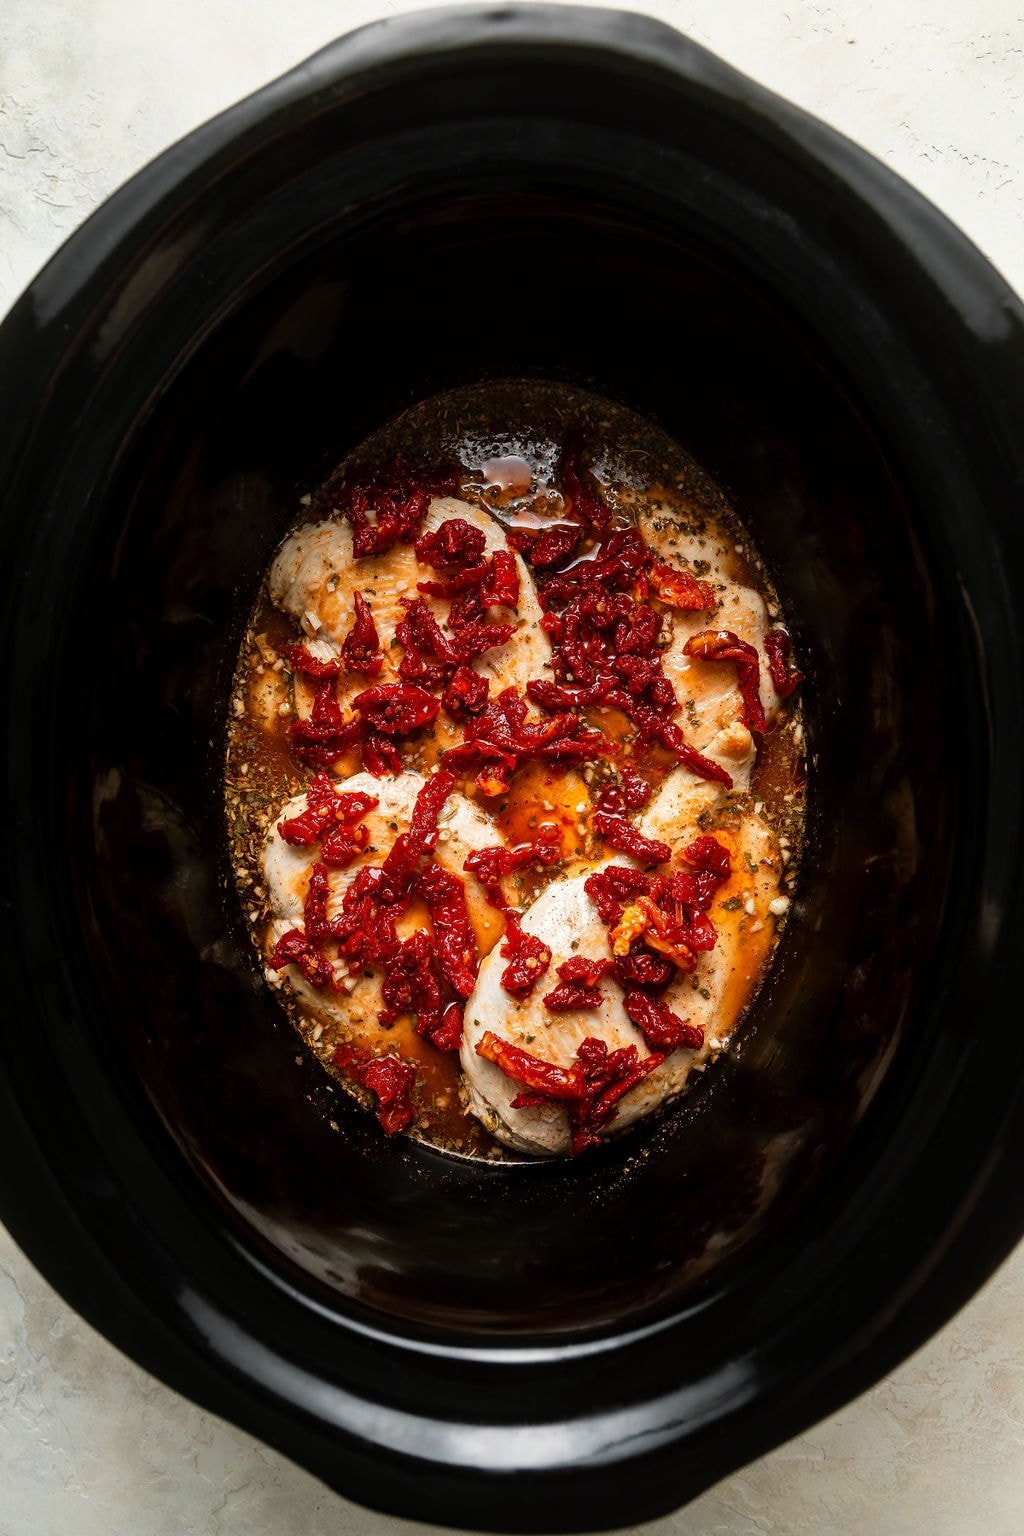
(509, 474)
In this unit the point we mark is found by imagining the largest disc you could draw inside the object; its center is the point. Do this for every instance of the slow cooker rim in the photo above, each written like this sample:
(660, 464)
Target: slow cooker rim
(71, 269)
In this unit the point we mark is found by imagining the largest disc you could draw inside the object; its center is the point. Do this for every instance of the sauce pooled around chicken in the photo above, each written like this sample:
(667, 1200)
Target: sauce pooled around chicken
(515, 772)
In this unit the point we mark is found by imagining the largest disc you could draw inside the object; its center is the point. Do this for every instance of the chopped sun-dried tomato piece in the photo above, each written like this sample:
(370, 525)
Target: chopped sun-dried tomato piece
(503, 735)
(325, 736)
(389, 1078)
(398, 869)
(450, 586)
(457, 953)
(454, 542)
(301, 660)
(325, 804)
(643, 968)
(390, 506)
(590, 1089)
(610, 888)
(619, 833)
(341, 844)
(361, 650)
(579, 487)
(608, 1076)
(779, 649)
(470, 638)
(723, 645)
(314, 912)
(528, 958)
(544, 1077)
(490, 865)
(679, 589)
(660, 1027)
(365, 930)
(411, 984)
(655, 729)
(707, 853)
(500, 587)
(578, 989)
(466, 694)
(295, 948)
(629, 792)
(546, 547)
(380, 755)
(396, 709)
(448, 1035)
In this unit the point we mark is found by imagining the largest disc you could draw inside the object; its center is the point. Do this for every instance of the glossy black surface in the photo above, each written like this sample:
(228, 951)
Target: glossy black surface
(569, 194)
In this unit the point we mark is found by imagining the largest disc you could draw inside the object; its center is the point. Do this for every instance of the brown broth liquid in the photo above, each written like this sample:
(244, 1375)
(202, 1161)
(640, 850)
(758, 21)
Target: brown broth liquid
(506, 437)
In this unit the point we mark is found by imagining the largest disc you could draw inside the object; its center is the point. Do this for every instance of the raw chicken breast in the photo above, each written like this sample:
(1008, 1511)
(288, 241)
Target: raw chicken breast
(565, 918)
(286, 870)
(314, 578)
(708, 689)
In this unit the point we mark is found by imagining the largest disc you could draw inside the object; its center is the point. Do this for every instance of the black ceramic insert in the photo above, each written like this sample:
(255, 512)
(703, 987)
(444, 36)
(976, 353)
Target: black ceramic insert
(457, 195)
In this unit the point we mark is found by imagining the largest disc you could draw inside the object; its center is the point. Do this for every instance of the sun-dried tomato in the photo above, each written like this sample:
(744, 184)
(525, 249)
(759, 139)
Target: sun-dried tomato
(546, 547)
(429, 659)
(301, 660)
(365, 929)
(578, 989)
(341, 844)
(610, 888)
(450, 586)
(396, 709)
(608, 1076)
(677, 934)
(401, 863)
(325, 736)
(504, 737)
(379, 518)
(654, 729)
(643, 968)
(390, 505)
(578, 486)
(608, 646)
(471, 638)
(723, 645)
(330, 818)
(295, 948)
(389, 1078)
(559, 699)
(466, 694)
(660, 1027)
(708, 854)
(457, 953)
(491, 865)
(453, 542)
(680, 589)
(361, 650)
(629, 792)
(540, 1076)
(528, 958)
(590, 1089)
(778, 648)
(314, 913)
(380, 756)
(411, 985)
(620, 834)
(325, 804)
(615, 566)
(448, 1035)
(500, 587)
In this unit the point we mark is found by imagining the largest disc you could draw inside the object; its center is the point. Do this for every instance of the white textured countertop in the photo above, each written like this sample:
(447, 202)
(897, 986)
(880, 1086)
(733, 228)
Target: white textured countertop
(91, 89)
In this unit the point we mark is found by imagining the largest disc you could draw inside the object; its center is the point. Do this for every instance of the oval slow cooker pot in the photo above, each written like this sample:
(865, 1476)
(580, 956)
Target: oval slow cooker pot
(450, 196)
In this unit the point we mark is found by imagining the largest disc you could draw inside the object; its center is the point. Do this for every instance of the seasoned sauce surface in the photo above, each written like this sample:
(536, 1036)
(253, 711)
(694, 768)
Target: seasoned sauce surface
(515, 772)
